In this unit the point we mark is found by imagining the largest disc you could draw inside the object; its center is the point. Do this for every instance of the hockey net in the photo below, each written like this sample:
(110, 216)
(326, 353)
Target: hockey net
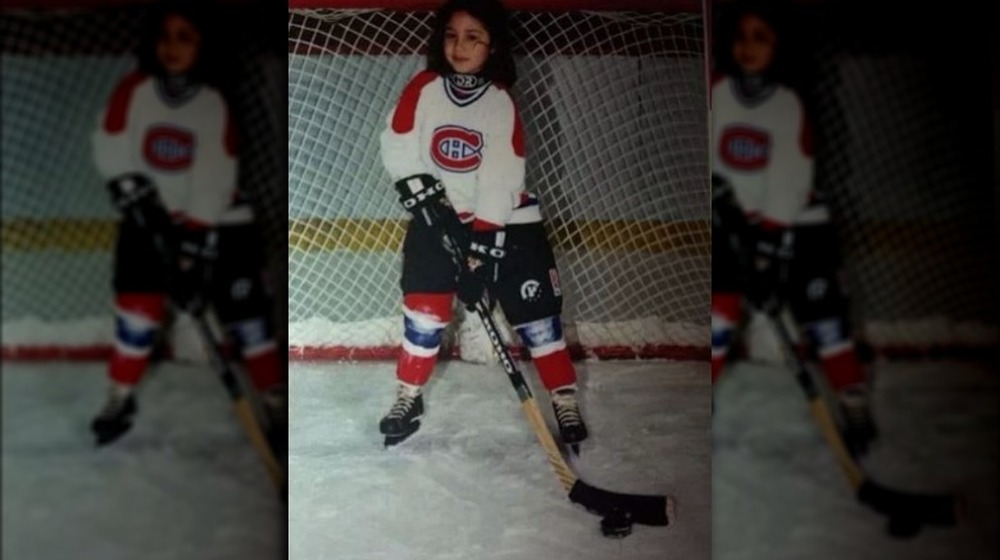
(615, 116)
(60, 65)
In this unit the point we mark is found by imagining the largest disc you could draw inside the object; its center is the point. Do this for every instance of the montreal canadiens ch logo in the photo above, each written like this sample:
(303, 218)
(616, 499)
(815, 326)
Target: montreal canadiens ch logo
(744, 148)
(457, 149)
(168, 148)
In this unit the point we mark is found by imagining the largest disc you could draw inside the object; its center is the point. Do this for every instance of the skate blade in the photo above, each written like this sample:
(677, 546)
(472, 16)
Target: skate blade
(395, 439)
(105, 437)
(391, 441)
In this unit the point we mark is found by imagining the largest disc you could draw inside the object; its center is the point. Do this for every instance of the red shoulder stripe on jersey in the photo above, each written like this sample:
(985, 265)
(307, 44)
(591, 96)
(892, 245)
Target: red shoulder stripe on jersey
(483, 225)
(517, 139)
(405, 116)
(230, 137)
(115, 119)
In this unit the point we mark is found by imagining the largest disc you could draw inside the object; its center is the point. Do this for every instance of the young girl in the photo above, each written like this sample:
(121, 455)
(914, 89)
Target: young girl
(456, 134)
(166, 130)
(762, 168)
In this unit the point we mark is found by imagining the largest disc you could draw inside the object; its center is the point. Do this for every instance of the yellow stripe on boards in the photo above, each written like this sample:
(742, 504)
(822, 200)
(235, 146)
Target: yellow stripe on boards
(366, 234)
(76, 235)
(345, 234)
(687, 237)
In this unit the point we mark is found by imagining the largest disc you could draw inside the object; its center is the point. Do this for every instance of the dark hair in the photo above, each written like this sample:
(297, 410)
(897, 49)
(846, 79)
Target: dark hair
(203, 15)
(776, 13)
(492, 14)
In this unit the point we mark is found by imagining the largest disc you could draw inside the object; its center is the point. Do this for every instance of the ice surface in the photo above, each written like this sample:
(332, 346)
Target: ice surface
(778, 493)
(473, 483)
(183, 484)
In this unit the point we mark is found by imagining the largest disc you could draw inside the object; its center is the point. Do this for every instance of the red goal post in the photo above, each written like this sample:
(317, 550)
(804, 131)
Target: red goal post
(688, 6)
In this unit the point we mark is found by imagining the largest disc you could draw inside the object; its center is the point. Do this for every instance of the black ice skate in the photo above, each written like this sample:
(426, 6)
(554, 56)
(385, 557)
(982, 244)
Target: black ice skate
(403, 418)
(115, 418)
(858, 426)
(567, 411)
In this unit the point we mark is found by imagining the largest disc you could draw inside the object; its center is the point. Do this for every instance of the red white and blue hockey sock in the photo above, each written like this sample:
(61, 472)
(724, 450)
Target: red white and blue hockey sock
(259, 351)
(137, 318)
(835, 348)
(545, 341)
(725, 316)
(425, 316)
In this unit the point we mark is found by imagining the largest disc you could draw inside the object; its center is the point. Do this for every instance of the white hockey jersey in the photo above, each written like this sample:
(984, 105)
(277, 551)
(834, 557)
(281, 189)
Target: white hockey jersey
(763, 147)
(186, 146)
(470, 139)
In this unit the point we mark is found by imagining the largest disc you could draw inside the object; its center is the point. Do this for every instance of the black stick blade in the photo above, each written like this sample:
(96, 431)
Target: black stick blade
(934, 509)
(647, 510)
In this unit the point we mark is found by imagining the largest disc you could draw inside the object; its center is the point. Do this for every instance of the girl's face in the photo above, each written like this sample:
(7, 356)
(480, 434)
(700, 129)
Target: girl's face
(466, 43)
(753, 47)
(178, 45)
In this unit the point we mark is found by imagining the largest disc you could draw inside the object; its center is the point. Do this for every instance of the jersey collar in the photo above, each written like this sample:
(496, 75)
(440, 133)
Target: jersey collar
(465, 89)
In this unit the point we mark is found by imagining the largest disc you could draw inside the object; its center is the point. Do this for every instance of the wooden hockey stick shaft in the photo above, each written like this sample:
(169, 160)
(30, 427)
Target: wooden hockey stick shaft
(556, 460)
(528, 403)
(645, 509)
(817, 406)
(244, 411)
(940, 509)
(827, 426)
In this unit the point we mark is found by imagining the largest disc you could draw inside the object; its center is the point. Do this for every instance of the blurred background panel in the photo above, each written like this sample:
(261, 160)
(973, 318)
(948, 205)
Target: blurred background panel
(903, 100)
(185, 483)
(900, 100)
(61, 62)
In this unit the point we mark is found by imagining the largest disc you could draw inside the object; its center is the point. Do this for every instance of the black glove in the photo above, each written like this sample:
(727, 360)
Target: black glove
(195, 255)
(421, 195)
(484, 254)
(770, 254)
(135, 196)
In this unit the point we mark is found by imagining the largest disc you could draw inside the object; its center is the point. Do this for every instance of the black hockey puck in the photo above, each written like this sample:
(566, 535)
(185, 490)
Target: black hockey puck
(617, 524)
(903, 527)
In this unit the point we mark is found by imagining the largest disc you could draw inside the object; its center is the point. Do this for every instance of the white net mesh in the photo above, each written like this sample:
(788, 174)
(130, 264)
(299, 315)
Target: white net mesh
(903, 138)
(59, 68)
(913, 194)
(614, 107)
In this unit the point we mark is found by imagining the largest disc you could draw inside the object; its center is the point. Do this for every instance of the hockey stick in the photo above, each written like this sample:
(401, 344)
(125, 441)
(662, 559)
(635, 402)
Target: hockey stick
(644, 509)
(906, 511)
(242, 406)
